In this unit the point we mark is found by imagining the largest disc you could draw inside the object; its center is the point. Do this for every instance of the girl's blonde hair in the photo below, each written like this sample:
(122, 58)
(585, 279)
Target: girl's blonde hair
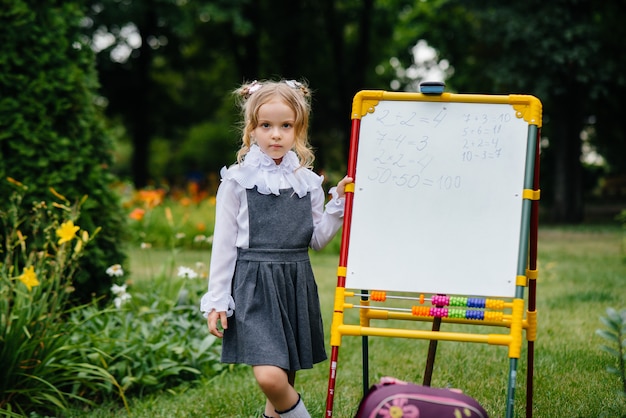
(252, 96)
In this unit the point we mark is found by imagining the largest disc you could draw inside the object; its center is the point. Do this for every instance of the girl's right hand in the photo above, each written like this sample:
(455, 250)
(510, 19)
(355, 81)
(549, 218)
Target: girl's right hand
(341, 186)
(212, 321)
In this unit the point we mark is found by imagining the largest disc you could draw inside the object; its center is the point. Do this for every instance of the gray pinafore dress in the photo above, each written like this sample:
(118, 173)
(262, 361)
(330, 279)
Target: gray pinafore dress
(277, 319)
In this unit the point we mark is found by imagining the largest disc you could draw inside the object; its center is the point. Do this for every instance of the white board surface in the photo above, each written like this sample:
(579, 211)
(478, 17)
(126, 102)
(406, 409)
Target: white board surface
(438, 198)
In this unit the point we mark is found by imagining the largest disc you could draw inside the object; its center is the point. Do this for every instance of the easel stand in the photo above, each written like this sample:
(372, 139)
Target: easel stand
(404, 157)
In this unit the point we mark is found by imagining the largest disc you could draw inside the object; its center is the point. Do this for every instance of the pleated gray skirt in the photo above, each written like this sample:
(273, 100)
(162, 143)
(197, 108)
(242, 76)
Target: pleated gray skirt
(277, 319)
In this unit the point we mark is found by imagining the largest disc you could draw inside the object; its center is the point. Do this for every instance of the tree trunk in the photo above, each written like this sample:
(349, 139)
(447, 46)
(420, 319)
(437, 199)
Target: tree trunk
(141, 122)
(566, 125)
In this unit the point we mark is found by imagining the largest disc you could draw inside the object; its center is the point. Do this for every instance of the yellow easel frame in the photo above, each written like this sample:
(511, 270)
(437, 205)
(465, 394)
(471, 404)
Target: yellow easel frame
(526, 107)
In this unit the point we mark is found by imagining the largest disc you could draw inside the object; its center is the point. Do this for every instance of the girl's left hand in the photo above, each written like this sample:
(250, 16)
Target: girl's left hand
(341, 186)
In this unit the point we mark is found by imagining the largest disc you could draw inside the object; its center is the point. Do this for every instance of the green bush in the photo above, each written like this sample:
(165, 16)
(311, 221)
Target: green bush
(148, 349)
(622, 219)
(199, 155)
(54, 355)
(40, 369)
(174, 220)
(615, 335)
(153, 338)
(51, 131)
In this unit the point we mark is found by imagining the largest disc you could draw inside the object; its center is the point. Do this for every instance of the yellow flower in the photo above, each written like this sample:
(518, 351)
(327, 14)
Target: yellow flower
(83, 240)
(67, 232)
(168, 216)
(17, 183)
(29, 277)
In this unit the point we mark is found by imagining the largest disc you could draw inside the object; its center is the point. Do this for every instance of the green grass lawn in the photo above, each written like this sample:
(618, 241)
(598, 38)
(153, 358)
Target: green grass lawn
(582, 271)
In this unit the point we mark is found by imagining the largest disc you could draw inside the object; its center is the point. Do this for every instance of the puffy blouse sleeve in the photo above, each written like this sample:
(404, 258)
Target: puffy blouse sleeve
(224, 253)
(326, 220)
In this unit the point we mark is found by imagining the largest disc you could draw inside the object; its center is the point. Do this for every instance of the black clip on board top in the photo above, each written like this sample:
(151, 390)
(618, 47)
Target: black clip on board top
(432, 87)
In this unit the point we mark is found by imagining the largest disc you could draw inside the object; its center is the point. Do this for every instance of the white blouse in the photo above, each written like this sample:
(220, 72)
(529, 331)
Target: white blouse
(232, 228)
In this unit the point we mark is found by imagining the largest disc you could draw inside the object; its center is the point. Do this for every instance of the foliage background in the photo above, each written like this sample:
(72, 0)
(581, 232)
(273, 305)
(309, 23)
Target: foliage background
(52, 133)
(167, 69)
(154, 107)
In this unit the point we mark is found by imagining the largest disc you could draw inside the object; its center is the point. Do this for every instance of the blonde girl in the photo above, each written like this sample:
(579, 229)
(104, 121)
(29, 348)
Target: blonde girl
(262, 297)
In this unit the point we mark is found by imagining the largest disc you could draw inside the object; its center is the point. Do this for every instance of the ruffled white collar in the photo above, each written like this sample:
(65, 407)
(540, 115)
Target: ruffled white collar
(261, 171)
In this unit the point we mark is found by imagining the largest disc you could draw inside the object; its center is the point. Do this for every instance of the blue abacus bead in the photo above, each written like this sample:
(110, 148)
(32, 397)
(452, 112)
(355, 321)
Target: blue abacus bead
(476, 302)
(473, 314)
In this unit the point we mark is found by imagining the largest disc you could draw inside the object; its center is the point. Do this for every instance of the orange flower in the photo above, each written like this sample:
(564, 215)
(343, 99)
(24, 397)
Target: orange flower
(137, 214)
(201, 196)
(193, 187)
(151, 198)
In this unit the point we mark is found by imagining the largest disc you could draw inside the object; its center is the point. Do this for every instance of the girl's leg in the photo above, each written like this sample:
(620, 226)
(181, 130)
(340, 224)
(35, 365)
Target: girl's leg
(270, 411)
(277, 385)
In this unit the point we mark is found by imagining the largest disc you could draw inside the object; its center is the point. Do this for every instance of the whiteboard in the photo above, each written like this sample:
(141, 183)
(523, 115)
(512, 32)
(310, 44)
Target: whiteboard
(438, 198)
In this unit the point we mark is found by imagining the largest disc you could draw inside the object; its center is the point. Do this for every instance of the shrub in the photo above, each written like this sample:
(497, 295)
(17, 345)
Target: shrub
(148, 349)
(174, 220)
(615, 334)
(622, 219)
(51, 131)
(54, 354)
(40, 369)
(155, 339)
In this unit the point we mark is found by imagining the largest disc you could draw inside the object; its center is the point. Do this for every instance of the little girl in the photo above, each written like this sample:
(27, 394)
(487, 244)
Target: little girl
(269, 210)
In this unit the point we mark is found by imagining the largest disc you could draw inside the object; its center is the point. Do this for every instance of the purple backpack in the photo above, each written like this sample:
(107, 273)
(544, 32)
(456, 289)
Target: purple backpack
(393, 398)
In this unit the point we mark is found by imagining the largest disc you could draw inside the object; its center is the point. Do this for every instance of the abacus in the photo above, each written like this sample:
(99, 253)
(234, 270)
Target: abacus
(440, 225)
(444, 306)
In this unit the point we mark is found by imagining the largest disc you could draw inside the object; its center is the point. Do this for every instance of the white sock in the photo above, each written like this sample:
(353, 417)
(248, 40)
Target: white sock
(296, 411)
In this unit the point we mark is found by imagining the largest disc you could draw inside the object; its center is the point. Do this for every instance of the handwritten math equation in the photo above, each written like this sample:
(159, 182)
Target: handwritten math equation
(426, 148)
(482, 135)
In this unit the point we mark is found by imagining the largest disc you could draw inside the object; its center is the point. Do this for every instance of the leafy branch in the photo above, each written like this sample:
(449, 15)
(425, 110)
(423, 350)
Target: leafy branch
(615, 334)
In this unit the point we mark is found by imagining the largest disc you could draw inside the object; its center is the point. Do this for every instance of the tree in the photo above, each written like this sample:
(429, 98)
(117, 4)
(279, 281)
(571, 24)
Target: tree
(328, 43)
(200, 51)
(52, 133)
(556, 51)
(143, 47)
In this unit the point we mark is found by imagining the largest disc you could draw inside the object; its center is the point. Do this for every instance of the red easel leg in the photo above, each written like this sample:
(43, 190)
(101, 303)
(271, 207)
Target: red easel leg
(332, 378)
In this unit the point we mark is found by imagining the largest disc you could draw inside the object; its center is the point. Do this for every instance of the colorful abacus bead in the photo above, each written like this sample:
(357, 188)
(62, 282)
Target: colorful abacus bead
(420, 310)
(494, 316)
(440, 300)
(439, 312)
(458, 301)
(474, 314)
(497, 304)
(456, 313)
(475, 303)
(378, 296)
